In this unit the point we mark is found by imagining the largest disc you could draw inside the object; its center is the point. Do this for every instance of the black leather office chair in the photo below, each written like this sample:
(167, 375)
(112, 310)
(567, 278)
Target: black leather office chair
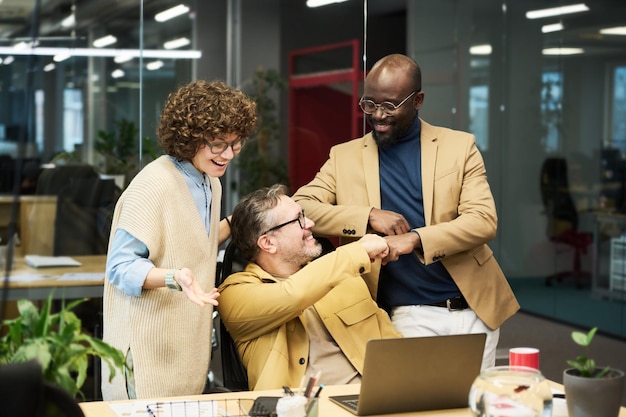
(25, 393)
(563, 219)
(234, 374)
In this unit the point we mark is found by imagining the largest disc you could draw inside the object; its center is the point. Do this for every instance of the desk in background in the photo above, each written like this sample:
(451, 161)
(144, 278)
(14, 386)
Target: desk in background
(35, 222)
(326, 407)
(40, 289)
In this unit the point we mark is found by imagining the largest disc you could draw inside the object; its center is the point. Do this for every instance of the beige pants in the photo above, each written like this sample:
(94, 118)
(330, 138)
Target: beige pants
(415, 321)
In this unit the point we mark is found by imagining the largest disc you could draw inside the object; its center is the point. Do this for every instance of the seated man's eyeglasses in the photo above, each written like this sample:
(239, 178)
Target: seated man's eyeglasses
(369, 107)
(218, 147)
(300, 219)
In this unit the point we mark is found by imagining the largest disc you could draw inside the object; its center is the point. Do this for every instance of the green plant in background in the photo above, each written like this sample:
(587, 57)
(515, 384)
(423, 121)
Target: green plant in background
(56, 341)
(120, 148)
(259, 161)
(586, 366)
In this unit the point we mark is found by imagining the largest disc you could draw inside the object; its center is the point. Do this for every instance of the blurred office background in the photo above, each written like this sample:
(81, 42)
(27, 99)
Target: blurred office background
(545, 96)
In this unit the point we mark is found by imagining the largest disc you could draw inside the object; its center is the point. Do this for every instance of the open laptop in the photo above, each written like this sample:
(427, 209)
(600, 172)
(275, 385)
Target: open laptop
(416, 374)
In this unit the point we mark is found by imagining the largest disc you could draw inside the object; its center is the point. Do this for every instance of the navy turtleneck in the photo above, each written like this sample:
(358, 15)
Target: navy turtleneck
(408, 281)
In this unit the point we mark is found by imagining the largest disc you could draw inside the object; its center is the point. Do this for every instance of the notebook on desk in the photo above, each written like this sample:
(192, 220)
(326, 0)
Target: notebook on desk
(416, 374)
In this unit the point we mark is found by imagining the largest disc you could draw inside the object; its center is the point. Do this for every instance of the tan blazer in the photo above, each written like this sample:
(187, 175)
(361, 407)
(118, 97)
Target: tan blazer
(264, 315)
(459, 210)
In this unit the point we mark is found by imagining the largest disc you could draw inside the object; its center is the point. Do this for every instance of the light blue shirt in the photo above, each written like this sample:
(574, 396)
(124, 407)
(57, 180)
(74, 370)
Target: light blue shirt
(127, 261)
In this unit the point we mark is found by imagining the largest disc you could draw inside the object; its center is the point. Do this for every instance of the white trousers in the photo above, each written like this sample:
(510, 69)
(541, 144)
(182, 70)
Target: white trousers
(420, 320)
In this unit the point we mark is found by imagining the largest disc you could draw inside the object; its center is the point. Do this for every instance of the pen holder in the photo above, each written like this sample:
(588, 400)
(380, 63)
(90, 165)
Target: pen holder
(297, 406)
(311, 408)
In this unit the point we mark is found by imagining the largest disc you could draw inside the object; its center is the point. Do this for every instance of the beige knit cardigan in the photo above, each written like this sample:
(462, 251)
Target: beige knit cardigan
(168, 335)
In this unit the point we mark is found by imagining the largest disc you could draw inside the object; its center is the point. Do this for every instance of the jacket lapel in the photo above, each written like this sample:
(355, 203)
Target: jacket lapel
(370, 168)
(428, 142)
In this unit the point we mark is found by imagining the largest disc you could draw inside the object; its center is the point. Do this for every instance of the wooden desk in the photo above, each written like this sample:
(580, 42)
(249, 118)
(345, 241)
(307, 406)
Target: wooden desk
(35, 221)
(39, 290)
(326, 408)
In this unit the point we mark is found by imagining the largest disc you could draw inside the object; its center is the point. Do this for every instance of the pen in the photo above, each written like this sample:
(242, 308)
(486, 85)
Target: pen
(312, 381)
(317, 394)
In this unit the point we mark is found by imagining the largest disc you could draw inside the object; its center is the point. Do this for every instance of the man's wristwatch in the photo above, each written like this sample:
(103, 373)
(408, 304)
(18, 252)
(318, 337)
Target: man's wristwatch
(170, 282)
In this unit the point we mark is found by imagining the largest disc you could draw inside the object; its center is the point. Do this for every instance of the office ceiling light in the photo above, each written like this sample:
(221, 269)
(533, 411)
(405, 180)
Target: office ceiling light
(318, 3)
(154, 65)
(171, 13)
(104, 41)
(563, 51)
(120, 59)
(104, 52)
(49, 67)
(176, 43)
(118, 73)
(8, 60)
(61, 56)
(557, 11)
(618, 30)
(69, 22)
(555, 27)
(480, 49)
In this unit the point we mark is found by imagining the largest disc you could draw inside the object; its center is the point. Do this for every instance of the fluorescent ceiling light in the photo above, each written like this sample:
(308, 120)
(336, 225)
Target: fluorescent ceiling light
(618, 30)
(118, 73)
(176, 43)
(557, 11)
(61, 56)
(110, 53)
(154, 65)
(49, 67)
(171, 13)
(555, 27)
(104, 41)
(120, 59)
(318, 3)
(8, 60)
(480, 49)
(563, 51)
(69, 21)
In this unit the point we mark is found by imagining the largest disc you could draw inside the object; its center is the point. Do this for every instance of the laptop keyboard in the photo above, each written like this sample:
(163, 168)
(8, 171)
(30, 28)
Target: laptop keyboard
(351, 403)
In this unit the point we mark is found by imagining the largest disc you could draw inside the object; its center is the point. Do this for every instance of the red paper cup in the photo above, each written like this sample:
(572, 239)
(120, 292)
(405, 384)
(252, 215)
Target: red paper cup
(524, 356)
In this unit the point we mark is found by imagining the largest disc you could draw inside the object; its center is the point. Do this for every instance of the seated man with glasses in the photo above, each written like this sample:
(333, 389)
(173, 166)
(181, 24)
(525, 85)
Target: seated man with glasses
(289, 313)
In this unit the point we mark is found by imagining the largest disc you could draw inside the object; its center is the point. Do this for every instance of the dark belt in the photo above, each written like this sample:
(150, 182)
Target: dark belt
(452, 304)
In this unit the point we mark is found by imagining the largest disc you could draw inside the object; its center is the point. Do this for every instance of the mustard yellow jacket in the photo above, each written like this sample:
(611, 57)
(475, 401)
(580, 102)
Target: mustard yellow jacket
(264, 315)
(459, 210)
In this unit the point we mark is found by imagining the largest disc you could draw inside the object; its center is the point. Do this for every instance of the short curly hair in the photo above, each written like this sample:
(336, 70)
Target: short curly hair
(204, 110)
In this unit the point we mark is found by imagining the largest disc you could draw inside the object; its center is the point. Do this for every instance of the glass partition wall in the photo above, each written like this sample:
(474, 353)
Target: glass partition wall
(545, 97)
(541, 85)
(81, 83)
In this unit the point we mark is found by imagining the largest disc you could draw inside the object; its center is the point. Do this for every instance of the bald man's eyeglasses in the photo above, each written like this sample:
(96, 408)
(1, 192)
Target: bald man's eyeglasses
(369, 107)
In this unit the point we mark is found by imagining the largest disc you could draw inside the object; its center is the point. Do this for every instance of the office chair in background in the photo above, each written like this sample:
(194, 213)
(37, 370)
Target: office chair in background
(25, 393)
(563, 219)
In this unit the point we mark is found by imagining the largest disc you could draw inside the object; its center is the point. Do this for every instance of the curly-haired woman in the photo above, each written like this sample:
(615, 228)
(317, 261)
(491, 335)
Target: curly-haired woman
(160, 276)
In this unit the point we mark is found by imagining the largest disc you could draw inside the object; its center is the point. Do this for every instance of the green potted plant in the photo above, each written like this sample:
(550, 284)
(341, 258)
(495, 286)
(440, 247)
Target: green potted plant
(591, 390)
(120, 152)
(57, 342)
(259, 161)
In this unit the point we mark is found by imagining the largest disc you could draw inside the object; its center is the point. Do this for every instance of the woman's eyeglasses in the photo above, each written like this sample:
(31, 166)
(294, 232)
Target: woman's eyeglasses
(218, 147)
